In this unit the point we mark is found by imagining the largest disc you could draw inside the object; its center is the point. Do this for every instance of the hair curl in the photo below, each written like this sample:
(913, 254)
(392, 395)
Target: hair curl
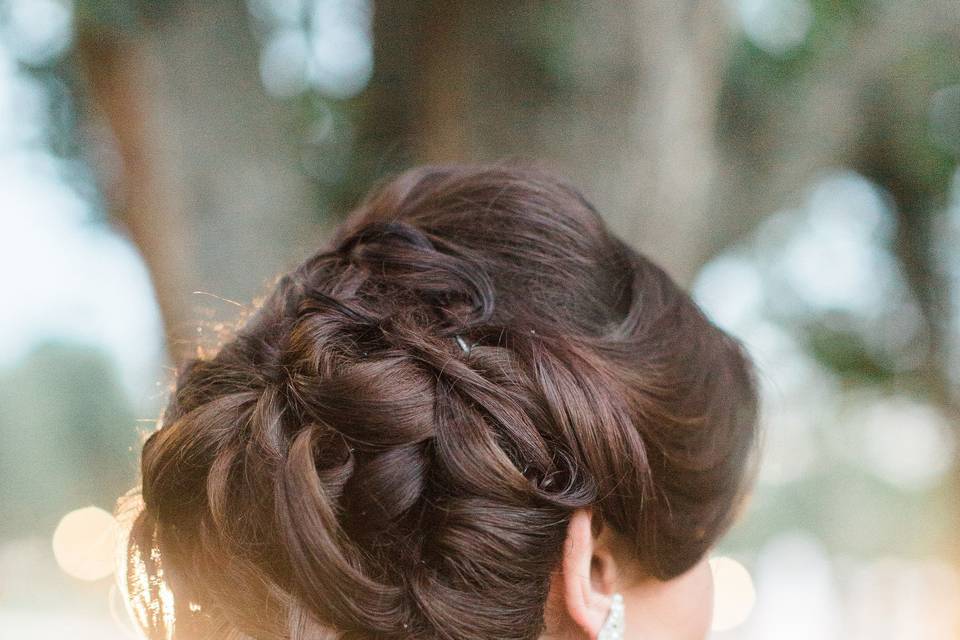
(342, 468)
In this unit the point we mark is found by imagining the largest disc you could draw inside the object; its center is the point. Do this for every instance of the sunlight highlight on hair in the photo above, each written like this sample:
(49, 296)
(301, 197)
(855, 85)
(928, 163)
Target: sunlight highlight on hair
(148, 599)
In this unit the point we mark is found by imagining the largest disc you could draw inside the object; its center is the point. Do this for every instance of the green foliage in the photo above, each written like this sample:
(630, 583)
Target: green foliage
(68, 436)
(122, 16)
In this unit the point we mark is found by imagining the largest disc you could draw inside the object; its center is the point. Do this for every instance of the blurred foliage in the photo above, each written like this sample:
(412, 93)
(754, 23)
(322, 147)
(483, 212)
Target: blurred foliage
(122, 16)
(69, 436)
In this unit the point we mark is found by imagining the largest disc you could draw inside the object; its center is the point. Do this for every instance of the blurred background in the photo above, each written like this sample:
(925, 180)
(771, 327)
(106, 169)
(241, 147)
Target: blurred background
(792, 162)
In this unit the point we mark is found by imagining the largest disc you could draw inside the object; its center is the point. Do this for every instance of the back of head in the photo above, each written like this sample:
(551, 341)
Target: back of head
(392, 445)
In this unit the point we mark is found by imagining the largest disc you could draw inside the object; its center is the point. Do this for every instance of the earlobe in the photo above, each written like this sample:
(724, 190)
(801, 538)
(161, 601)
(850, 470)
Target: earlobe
(586, 605)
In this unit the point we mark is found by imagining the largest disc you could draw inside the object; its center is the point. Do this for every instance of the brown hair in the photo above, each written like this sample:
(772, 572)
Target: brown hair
(344, 467)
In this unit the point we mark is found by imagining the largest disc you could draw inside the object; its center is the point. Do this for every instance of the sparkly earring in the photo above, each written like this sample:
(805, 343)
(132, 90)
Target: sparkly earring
(612, 628)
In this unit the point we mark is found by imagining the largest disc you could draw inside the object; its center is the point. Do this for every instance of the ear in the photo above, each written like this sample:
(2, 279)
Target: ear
(587, 575)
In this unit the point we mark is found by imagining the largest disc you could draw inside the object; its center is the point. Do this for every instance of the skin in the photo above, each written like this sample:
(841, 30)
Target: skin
(595, 567)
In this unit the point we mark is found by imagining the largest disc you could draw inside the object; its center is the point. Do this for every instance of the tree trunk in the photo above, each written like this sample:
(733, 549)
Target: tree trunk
(210, 186)
(565, 84)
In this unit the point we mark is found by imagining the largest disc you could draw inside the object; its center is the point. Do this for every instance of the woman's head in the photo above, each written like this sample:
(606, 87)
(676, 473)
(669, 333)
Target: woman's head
(407, 436)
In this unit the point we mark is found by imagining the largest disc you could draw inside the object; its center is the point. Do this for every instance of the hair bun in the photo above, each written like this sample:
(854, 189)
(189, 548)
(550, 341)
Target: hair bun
(342, 465)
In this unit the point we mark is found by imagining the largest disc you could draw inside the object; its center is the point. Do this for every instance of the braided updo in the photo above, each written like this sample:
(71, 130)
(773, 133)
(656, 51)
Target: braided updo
(343, 467)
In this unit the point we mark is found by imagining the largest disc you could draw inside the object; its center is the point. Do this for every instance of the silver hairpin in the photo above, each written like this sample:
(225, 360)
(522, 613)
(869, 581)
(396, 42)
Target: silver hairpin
(463, 344)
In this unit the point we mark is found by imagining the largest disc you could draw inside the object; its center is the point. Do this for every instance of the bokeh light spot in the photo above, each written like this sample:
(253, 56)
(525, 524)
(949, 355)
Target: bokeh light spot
(84, 543)
(38, 31)
(734, 593)
(776, 26)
